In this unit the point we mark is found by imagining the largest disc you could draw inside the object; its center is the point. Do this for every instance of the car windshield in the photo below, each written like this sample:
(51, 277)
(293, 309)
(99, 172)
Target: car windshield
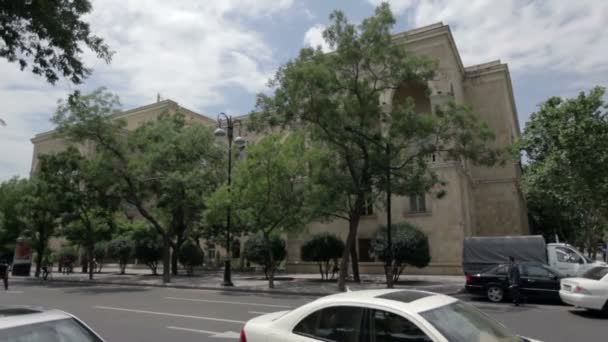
(460, 322)
(63, 330)
(596, 273)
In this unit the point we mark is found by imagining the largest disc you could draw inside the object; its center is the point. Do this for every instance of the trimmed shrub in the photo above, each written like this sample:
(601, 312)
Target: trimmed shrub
(190, 255)
(100, 253)
(325, 249)
(148, 247)
(410, 247)
(67, 258)
(257, 252)
(121, 249)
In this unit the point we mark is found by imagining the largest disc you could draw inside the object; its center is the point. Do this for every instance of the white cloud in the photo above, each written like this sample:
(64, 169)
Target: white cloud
(314, 37)
(188, 51)
(397, 6)
(567, 36)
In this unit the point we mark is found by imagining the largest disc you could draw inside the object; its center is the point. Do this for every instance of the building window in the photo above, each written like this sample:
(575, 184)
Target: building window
(365, 249)
(368, 206)
(417, 203)
(211, 251)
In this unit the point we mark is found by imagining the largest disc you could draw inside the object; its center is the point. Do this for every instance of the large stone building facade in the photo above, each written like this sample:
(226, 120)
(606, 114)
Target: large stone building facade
(479, 200)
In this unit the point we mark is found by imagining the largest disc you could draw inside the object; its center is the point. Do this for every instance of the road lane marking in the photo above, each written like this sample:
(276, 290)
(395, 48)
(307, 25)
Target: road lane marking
(258, 312)
(225, 334)
(169, 314)
(233, 303)
(11, 291)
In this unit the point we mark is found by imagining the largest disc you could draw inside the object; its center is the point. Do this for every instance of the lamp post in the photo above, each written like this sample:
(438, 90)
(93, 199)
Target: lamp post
(230, 124)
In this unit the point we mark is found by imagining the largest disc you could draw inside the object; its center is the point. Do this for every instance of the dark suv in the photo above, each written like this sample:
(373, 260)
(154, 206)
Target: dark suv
(538, 281)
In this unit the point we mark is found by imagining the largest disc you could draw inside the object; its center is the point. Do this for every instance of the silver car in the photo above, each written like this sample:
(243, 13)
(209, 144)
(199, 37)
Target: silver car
(21, 324)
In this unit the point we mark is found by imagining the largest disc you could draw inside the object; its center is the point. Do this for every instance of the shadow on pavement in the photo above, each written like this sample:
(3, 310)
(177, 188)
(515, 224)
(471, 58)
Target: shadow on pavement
(590, 314)
(101, 289)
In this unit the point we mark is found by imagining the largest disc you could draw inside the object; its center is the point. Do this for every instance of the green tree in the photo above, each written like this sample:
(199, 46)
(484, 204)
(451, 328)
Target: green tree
(100, 253)
(269, 192)
(256, 251)
(338, 99)
(566, 145)
(121, 249)
(190, 255)
(89, 198)
(40, 210)
(11, 226)
(410, 247)
(49, 35)
(148, 247)
(325, 249)
(163, 168)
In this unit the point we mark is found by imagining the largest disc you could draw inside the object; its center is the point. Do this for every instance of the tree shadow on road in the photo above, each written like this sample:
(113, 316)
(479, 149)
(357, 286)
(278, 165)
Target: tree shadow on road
(590, 314)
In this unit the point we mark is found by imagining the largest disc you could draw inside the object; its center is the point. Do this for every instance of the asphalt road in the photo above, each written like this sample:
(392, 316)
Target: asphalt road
(124, 313)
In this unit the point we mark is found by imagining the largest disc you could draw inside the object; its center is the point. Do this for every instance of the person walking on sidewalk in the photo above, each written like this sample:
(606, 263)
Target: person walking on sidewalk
(4, 273)
(514, 281)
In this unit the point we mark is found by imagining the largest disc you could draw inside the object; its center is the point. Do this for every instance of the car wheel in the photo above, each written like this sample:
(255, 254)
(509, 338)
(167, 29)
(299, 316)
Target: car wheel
(495, 294)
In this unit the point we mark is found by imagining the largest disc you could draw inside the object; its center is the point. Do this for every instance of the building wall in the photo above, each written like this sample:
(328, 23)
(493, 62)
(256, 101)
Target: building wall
(499, 203)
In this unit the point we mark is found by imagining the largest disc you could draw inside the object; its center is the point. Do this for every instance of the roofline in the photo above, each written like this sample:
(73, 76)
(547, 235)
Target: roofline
(496, 66)
(429, 31)
(119, 114)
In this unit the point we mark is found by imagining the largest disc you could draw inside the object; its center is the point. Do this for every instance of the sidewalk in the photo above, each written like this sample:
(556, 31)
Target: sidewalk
(294, 284)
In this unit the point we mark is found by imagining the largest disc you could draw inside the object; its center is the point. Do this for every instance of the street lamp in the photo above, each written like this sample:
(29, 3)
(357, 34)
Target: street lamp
(230, 124)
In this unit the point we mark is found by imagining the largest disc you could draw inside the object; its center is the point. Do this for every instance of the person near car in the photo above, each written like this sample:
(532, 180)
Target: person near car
(514, 277)
(4, 273)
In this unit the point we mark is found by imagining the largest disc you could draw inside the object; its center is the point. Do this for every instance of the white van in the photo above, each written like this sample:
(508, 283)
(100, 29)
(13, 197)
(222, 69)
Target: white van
(568, 260)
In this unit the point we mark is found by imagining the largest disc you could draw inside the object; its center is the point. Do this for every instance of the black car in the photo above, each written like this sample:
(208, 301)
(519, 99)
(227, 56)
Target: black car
(538, 281)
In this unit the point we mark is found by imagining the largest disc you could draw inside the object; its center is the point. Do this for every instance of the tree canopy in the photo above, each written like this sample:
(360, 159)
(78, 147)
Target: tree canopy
(338, 99)
(49, 36)
(566, 179)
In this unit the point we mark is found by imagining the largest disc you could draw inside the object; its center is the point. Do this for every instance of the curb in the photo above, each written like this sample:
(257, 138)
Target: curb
(87, 282)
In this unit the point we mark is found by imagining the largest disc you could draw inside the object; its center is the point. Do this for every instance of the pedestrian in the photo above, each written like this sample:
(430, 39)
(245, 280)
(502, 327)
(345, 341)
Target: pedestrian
(4, 273)
(514, 281)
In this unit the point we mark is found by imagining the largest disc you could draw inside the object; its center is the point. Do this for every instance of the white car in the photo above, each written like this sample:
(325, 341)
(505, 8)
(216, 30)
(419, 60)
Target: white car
(590, 291)
(379, 316)
(37, 325)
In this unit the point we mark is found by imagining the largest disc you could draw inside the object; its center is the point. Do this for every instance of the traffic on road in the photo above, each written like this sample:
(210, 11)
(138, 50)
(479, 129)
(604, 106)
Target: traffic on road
(129, 313)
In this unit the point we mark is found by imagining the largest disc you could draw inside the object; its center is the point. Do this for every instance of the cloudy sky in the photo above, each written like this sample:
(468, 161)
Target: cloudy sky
(215, 55)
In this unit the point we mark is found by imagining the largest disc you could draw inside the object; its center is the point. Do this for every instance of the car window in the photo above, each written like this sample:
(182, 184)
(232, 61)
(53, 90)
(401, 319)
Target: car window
(64, 330)
(596, 273)
(389, 327)
(337, 323)
(461, 322)
(498, 270)
(536, 271)
(562, 256)
(570, 255)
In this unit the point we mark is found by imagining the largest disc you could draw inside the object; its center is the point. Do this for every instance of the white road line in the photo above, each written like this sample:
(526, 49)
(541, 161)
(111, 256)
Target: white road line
(194, 330)
(169, 314)
(225, 334)
(11, 291)
(233, 303)
(258, 312)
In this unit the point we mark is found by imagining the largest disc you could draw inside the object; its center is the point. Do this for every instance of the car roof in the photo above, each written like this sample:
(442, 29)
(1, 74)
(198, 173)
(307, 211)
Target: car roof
(15, 316)
(410, 301)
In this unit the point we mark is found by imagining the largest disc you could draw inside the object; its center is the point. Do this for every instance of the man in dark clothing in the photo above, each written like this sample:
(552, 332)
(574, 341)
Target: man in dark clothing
(514, 281)
(4, 273)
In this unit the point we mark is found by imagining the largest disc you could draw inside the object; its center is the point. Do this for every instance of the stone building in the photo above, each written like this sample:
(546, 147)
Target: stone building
(479, 200)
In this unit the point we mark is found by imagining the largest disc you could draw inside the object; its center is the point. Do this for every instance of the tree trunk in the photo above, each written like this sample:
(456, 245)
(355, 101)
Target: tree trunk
(355, 259)
(90, 254)
(174, 268)
(352, 234)
(166, 259)
(39, 255)
(272, 266)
